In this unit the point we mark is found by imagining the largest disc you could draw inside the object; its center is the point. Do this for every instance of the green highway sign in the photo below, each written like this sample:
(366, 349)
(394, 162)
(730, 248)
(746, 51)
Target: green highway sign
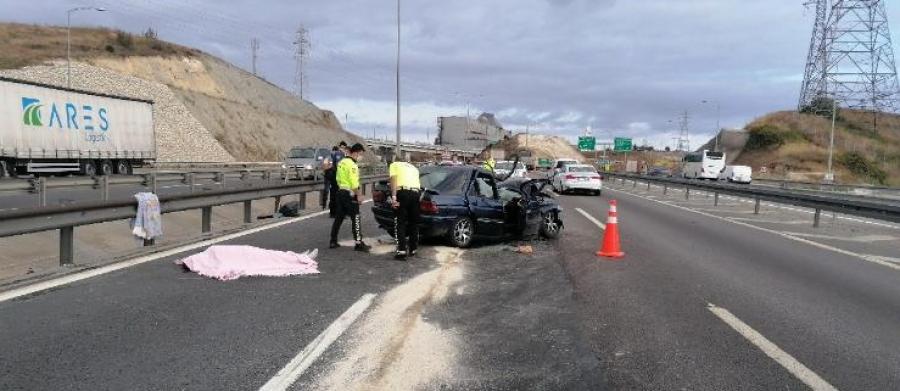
(622, 144)
(587, 143)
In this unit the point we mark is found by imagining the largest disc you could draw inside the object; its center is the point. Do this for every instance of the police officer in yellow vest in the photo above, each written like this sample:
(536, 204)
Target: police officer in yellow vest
(489, 164)
(348, 198)
(405, 190)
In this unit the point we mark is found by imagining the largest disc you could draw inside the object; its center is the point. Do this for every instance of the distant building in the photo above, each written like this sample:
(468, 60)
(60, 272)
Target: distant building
(462, 132)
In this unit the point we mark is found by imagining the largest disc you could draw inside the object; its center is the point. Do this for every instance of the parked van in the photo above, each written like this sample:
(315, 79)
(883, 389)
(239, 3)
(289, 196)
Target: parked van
(737, 174)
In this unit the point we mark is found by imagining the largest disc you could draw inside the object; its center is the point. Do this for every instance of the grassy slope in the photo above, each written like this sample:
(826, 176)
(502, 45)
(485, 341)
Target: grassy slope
(804, 152)
(23, 45)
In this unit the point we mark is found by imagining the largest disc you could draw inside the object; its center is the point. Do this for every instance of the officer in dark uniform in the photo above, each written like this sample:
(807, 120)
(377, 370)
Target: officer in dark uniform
(337, 154)
(405, 190)
(348, 198)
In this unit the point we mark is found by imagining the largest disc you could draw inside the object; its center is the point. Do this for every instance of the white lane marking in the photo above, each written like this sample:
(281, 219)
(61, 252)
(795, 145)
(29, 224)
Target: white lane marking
(591, 218)
(787, 361)
(860, 239)
(301, 362)
(764, 221)
(875, 260)
(50, 284)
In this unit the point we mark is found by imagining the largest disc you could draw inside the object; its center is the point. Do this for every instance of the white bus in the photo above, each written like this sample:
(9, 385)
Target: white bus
(703, 165)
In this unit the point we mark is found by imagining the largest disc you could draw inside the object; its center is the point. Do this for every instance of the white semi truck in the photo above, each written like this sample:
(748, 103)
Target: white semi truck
(50, 130)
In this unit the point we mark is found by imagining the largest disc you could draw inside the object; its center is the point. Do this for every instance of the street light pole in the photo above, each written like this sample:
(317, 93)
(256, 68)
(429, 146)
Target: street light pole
(69, 39)
(718, 122)
(399, 153)
(829, 176)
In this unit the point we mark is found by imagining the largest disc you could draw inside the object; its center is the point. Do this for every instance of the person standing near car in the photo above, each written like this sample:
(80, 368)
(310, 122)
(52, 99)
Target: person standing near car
(337, 154)
(405, 192)
(348, 198)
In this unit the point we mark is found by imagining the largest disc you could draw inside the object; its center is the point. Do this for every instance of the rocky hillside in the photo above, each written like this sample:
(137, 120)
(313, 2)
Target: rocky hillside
(206, 109)
(794, 146)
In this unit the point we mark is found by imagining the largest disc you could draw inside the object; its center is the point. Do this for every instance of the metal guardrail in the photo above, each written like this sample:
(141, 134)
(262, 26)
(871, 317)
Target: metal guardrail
(878, 209)
(66, 218)
(856, 190)
(42, 186)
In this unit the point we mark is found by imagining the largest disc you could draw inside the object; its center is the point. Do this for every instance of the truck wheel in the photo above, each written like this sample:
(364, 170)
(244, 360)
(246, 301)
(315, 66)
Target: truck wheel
(106, 167)
(89, 168)
(123, 167)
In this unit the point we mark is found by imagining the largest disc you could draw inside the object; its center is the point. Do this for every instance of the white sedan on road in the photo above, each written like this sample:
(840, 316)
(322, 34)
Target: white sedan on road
(578, 177)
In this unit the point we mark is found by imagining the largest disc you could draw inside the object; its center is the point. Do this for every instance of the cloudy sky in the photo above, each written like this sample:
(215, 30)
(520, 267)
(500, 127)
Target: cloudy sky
(624, 68)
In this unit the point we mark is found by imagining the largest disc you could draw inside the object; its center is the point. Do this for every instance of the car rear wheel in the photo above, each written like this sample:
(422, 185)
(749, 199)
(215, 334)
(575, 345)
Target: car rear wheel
(550, 225)
(462, 233)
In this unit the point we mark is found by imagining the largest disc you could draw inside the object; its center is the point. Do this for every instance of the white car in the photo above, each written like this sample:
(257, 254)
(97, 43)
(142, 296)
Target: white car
(737, 174)
(503, 168)
(578, 177)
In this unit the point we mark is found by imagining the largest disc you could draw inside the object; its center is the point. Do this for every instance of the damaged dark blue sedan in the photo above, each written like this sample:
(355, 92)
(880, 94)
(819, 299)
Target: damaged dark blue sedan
(465, 203)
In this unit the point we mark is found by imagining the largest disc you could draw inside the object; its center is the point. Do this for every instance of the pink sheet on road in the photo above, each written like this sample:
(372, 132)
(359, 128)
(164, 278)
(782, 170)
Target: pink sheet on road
(233, 262)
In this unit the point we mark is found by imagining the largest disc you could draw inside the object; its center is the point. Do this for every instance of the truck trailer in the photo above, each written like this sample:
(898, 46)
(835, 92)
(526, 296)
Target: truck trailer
(46, 129)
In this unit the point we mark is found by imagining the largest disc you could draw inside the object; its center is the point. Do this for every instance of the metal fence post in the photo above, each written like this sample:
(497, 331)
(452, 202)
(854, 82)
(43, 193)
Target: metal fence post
(756, 207)
(817, 218)
(191, 181)
(666, 189)
(648, 185)
(41, 188)
(277, 203)
(302, 199)
(150, 182)
(716, 202)
(687, 193)
(67, 246)
(206, 219)
(634, 184)
(248, 212)
(220, 177)
(104, 187)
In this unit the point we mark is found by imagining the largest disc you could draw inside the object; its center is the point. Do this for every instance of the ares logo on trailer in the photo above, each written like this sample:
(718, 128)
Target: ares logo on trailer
(67, 116)
(32, 107)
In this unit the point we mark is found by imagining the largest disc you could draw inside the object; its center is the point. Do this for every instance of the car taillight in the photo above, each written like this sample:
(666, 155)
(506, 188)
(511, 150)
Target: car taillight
(570, 176)
(379, 196)
(598, 177)
(428, 207)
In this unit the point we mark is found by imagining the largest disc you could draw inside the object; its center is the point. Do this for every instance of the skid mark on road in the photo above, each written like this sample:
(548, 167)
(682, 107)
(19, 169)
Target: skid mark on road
(787, 361)
(875, 260)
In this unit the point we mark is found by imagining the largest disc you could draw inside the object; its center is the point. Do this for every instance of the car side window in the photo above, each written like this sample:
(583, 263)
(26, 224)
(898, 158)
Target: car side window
(484, 186)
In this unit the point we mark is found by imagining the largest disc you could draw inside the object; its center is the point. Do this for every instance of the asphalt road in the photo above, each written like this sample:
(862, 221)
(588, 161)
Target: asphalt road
(488, 317)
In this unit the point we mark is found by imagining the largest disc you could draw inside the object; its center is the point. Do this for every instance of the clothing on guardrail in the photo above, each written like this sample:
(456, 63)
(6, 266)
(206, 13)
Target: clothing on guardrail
(148, 221)
(232, 262)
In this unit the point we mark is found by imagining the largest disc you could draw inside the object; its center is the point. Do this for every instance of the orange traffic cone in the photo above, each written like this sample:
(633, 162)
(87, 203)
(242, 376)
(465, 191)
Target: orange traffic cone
(611, 247)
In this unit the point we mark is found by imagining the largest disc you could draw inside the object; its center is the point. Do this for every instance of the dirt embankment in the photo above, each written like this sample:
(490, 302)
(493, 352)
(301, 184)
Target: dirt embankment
(795, 146)
(540, 146)
(207, 110)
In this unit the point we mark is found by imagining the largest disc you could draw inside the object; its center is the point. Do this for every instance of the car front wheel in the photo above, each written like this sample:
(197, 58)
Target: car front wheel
(550, 225)
(462, 233)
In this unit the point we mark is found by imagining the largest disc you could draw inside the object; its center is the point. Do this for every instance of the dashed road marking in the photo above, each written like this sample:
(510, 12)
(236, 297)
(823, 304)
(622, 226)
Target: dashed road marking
(800, 371)
(286, 377)
(591, 218)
